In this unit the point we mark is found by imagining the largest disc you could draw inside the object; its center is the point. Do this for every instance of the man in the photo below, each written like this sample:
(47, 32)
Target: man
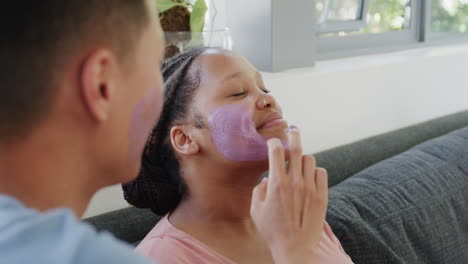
(81, 90)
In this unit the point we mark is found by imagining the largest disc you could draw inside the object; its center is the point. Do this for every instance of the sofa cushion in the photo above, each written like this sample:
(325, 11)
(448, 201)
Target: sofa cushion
(344, 161)
(411, 208)
(129, 224)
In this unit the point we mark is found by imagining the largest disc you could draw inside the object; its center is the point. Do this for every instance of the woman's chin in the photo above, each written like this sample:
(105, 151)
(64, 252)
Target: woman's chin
(274, 132)
(260, 165)
(255, 166)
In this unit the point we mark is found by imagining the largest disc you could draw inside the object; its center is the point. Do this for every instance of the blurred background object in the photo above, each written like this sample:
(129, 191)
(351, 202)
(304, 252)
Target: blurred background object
(189, 23)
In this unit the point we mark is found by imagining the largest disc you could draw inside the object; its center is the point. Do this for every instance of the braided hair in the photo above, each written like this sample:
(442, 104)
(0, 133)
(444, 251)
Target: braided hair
(159, 185)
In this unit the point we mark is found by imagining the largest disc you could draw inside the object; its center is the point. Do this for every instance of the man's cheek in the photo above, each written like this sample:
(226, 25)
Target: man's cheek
(144, 117)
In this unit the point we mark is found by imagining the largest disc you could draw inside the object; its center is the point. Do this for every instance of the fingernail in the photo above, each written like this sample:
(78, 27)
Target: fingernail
(292, 128)
(322, 169)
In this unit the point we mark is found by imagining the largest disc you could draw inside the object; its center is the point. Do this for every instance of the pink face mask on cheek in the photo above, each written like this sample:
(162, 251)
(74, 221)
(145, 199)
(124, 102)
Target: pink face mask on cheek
(144, 117)
(235, 134)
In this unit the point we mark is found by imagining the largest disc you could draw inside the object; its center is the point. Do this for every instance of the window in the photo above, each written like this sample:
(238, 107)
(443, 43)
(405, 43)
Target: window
(376, 16)
(278, 34)
(449, 16)
(334, 16)
(388, 25)
(385, 23)
(385, 16)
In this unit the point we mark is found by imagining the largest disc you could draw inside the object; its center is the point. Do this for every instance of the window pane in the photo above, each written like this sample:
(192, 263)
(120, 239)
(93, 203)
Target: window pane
(320, 9)
(337, 10)
(383, 16)
(449, 16)
(342, 10)
(388, 15)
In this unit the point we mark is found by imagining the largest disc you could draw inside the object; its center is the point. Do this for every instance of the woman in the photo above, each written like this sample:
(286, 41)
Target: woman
(204, 158)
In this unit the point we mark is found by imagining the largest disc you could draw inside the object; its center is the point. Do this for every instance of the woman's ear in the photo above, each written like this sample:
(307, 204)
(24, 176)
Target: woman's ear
(182, 141)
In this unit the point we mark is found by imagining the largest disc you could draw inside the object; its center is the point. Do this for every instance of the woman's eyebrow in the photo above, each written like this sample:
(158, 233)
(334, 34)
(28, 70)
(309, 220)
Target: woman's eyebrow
(235, 75)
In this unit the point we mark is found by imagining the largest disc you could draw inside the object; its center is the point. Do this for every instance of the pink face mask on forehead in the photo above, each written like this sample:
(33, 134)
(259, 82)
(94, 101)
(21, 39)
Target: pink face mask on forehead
(235, 135)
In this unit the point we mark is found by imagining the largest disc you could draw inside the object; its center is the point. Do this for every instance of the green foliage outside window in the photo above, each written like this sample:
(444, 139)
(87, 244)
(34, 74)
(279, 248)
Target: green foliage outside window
(387, 15)
(449, 16)
(391, 15)
(394, 15)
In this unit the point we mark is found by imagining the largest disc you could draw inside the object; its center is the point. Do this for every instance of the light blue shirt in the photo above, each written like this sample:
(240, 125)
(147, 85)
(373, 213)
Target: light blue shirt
(30, 237)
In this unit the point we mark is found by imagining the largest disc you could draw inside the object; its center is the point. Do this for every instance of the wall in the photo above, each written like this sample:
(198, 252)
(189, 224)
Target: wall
(342, 101)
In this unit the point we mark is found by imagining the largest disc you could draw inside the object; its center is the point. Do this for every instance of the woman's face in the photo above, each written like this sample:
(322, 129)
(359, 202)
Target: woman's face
(237, 112)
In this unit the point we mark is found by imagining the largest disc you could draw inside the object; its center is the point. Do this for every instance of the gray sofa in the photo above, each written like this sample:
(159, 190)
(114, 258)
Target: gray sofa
(400, 197)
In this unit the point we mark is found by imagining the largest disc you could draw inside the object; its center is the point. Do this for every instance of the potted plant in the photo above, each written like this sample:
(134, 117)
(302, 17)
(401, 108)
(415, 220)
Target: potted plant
(183, 24)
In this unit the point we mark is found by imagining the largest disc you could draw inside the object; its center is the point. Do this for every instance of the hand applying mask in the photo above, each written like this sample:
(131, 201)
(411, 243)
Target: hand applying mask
(289, 207)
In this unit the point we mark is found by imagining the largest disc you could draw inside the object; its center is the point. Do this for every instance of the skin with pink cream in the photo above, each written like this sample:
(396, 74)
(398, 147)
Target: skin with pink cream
(143, 118)
(235, 135)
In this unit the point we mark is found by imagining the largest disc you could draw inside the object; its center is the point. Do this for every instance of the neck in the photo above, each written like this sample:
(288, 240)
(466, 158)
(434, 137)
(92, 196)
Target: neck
(218, 195)
(43, 175)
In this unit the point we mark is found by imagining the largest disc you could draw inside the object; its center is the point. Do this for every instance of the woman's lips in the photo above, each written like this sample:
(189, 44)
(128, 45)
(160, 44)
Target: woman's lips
(274, 122)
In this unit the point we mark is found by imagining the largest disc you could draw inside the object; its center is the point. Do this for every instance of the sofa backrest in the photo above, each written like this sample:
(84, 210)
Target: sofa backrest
(345, 161)
(132, 224)
(410, 208)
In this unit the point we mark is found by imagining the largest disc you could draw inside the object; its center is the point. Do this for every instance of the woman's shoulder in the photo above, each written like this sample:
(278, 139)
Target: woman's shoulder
(164, 249)
(162, 234)
(167, 244)
(164, 244)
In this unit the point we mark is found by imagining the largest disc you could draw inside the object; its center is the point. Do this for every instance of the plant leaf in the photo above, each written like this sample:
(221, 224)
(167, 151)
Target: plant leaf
(197, 18)
(164, 5)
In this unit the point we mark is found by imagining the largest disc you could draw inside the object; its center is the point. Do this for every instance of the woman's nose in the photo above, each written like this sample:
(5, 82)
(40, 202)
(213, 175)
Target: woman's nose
(265, 101)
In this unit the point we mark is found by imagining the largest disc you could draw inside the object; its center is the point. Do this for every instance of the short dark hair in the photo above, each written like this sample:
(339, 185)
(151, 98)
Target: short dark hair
(40, 37)
(159, 185)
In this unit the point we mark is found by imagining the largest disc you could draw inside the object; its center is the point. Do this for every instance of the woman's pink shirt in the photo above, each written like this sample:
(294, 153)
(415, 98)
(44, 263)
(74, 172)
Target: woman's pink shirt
(165, 244)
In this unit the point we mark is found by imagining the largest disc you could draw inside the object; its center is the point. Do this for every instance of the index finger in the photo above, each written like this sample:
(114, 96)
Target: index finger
(276, 165)
(295, 154)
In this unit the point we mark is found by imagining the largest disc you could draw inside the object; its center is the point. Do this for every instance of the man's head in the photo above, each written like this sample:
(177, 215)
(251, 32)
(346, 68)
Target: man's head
(85, 71)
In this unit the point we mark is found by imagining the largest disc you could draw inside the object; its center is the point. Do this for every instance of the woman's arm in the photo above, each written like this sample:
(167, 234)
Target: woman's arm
(289, 207)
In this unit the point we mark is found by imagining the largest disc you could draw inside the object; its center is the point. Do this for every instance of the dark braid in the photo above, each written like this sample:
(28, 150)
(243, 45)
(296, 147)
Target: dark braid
(159, 186)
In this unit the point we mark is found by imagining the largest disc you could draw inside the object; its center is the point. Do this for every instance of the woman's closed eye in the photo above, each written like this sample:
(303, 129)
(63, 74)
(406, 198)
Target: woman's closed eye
(243, 92)
(239, 94)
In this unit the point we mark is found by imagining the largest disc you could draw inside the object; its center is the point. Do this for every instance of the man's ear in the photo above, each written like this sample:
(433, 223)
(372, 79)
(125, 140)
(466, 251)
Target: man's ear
(97, 84)
(182, 142)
